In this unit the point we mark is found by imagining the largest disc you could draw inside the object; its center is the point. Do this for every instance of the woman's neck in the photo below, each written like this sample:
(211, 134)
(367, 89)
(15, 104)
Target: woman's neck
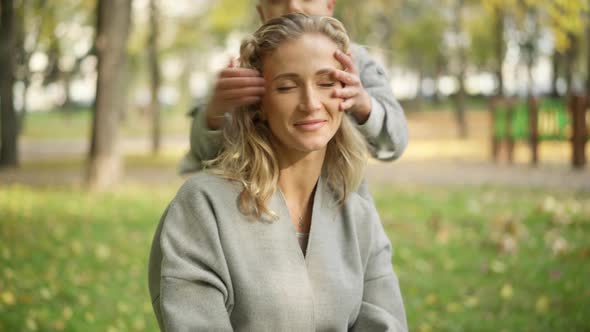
(297, 180)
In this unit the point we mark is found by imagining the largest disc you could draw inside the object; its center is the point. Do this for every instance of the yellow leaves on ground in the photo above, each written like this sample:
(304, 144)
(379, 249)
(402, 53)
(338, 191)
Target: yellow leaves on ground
(506, 292)
(67, 313)
(31, 324)
(77, 247)
(542, 304)
(498, 266)
(45, 294)
(102, 252)
(425, 327)
(8, 298)
(431, 299)
(453, 307)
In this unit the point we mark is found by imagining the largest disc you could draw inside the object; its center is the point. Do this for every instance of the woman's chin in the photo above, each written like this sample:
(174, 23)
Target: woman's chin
(311, 146)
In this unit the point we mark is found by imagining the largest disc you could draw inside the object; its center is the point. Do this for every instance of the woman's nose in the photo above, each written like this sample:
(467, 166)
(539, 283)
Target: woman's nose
(311, 102)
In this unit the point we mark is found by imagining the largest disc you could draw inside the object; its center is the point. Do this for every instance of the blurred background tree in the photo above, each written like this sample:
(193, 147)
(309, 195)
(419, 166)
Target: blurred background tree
(113, 23)
(8, 118)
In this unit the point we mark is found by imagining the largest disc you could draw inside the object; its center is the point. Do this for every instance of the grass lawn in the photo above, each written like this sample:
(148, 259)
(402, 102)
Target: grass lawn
(77, 124)
(479, 259)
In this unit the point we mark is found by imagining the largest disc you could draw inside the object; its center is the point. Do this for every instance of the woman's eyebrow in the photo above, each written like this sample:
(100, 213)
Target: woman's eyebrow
(285, 75)
(325, 71)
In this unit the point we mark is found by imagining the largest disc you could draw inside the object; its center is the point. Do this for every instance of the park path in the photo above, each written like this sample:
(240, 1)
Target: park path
(434, 157)
(414, 170)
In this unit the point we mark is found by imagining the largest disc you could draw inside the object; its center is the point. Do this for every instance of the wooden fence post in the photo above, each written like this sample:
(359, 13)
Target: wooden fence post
(534, 130)
(495, 142)
(509, 130)
(578, 106)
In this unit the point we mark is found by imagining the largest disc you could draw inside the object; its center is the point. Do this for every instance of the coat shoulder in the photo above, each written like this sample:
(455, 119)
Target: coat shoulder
(209, 185)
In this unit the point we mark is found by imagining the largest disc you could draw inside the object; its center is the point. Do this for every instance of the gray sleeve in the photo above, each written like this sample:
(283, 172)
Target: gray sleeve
(205, 144)
(386, 129)
(195, 288)
(382, 308)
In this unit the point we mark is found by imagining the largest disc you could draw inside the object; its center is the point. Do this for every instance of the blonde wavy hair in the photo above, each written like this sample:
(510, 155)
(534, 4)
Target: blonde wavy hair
(248, 156)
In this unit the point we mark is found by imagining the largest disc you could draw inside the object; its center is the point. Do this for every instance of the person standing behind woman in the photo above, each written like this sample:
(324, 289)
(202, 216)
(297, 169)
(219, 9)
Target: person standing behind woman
(366, 96)
(280, 234)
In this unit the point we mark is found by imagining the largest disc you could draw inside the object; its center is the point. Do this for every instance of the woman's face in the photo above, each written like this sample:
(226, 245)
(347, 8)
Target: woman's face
(298, 104)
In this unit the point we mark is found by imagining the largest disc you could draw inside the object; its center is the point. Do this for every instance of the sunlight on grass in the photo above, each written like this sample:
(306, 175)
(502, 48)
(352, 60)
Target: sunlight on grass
(168, 159)
(485, 259)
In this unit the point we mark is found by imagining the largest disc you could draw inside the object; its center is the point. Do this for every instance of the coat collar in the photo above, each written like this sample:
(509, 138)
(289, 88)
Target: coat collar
(323, 213)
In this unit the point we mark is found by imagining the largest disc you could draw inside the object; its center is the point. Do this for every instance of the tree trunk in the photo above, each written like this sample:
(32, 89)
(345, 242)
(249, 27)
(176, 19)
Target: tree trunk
(113, 23)
(8, 118)
(588, 56)
(419, 88)
(440, 65)
(529, 48)
(155, 78)
(22, 115)
(499, 34)
(555, 73)
(67, 84)
(530, 77)
(462, 58)
(570, 60)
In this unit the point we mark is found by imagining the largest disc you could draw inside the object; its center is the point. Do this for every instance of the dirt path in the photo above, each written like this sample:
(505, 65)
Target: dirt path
(434, 157)
(446, 172)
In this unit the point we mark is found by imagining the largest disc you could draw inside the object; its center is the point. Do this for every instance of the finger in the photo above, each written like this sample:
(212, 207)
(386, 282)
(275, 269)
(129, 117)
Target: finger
(346, 61)
(346, 104)
(235, 63)
(241, 93)
(239, 72)
(346, 78)
(244, 101)
(345, 93)
(239, 82)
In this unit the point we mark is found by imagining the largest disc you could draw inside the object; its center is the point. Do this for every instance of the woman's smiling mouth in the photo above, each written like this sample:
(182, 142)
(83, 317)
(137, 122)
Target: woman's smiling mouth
(310, 125)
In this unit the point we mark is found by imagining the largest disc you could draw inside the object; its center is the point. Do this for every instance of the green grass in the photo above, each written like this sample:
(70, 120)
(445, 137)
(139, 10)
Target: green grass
(77, 124)
(74, 261)
(491, 259)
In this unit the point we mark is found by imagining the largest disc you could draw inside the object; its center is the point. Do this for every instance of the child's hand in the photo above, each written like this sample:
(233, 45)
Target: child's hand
(355, 98)
(235, 87)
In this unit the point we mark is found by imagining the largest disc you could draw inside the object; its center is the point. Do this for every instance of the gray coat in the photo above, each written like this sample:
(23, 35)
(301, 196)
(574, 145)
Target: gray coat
(386, 129)
(212, 269)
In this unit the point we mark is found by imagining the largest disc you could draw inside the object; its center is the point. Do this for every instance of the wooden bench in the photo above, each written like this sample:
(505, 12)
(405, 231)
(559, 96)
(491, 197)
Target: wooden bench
(534, 120)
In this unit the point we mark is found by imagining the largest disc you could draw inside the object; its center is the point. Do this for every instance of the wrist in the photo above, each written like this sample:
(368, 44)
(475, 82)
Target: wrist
(214, 119)
(363, 111)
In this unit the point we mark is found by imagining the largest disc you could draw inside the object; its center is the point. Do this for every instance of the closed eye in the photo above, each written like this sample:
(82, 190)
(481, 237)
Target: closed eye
(285, 88)
(327, 84)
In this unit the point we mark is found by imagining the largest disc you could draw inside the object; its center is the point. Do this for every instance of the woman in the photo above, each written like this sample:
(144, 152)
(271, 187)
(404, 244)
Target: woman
(278, 235)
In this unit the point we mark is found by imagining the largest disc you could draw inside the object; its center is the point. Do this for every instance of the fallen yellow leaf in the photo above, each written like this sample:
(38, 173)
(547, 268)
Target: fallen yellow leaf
(8, 298)
(431, 299)
(425, 327)
(506, 292)
(471, 302)
(542, 305)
